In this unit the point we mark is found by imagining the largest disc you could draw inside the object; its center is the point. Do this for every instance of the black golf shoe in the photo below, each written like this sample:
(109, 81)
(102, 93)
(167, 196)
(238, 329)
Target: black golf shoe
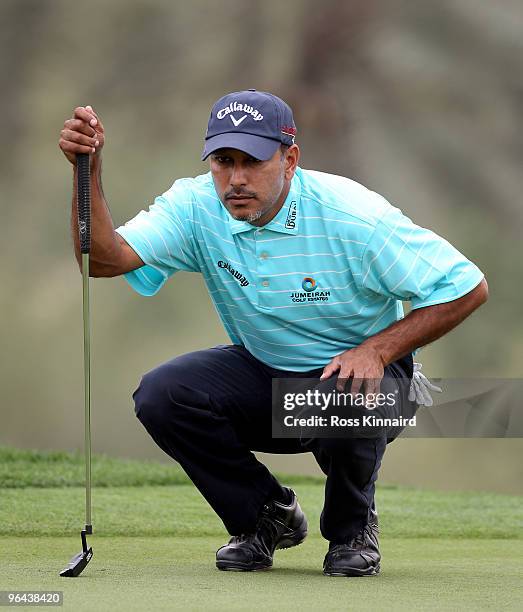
(358, 557)
(279, 526)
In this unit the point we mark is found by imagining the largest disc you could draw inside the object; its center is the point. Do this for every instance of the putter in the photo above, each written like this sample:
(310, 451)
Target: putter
(79, 561)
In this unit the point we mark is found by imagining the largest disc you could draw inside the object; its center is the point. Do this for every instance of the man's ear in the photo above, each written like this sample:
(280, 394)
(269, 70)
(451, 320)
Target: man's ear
(292, 157)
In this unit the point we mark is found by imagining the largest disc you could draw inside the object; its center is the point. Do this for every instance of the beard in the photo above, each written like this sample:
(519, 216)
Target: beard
(250, 216)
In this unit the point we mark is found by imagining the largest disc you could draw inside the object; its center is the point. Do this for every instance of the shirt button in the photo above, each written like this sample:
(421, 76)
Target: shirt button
(264, 255)
(265, 283)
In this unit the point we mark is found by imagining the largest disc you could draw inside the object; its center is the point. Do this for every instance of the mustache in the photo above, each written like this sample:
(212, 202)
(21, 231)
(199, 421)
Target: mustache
(239, 194)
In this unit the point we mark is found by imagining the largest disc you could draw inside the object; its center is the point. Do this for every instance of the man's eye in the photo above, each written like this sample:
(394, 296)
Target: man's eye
(221, 159)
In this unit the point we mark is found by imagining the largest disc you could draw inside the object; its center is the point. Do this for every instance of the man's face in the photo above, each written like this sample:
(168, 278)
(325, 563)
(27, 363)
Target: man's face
(252, 190)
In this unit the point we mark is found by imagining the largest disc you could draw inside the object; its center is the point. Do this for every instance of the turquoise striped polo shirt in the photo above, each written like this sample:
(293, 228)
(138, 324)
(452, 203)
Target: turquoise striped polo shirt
(328, 271)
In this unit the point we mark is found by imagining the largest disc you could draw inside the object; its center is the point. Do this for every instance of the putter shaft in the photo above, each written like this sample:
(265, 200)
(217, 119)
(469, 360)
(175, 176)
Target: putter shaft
(87, 390)
(79, 561)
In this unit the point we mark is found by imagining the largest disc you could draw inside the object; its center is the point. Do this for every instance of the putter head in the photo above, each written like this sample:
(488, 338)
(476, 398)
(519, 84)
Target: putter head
(78, 562)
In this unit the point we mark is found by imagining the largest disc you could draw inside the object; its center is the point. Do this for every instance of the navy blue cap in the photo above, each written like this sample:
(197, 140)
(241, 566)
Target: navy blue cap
(255, 122)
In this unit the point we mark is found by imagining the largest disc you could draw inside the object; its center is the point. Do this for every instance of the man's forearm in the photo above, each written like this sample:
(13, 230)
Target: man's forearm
(104, 242)
(424, 325)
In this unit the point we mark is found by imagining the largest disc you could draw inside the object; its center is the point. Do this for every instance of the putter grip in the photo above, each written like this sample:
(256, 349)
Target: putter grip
(84, 202)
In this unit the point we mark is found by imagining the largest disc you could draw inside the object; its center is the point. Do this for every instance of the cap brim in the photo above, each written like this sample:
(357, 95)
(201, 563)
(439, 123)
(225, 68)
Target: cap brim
(256, 146)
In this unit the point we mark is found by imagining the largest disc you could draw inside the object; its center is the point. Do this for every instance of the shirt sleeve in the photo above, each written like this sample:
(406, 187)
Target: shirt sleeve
(162, 238)
(411, 263)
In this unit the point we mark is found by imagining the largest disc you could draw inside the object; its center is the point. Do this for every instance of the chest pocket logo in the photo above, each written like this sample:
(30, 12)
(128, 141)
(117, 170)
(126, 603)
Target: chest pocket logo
(310, 292)
(237, 275)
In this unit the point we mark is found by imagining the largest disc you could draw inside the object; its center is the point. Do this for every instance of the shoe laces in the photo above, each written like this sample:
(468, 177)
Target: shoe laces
(359, 540)
(242, 537)
(267, 521)
(361, 537)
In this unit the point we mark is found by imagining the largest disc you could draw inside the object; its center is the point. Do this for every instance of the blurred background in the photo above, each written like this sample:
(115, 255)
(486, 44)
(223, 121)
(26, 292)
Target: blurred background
(420, 101)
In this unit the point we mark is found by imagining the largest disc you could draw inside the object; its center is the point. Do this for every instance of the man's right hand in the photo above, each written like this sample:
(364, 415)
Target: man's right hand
(83, 133)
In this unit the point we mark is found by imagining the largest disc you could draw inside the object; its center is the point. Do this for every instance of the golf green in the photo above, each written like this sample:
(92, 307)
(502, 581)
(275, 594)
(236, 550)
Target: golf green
(166, 573)
(155, 538)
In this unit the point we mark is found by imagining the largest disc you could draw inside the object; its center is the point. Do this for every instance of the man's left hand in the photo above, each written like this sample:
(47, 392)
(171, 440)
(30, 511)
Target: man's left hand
(363, 363)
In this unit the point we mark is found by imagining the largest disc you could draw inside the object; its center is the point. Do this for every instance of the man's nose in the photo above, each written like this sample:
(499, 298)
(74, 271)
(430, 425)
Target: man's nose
(238, 176)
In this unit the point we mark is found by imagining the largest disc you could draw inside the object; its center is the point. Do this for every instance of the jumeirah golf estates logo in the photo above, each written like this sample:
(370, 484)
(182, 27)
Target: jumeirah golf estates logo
(308, 284)
(310, 292)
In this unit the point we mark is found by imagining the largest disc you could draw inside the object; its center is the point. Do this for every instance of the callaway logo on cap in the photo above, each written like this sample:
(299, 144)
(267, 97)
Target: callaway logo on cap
(255, 122)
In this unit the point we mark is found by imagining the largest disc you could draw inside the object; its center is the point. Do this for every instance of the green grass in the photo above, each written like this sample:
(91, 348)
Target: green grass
(42, 493)
(181, 511)
(154, 543)
(29, 468)
(178, 573)
(26, 468)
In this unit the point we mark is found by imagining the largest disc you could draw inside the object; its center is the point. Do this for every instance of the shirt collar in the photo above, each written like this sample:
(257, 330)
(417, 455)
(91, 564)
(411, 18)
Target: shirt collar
(285, 222)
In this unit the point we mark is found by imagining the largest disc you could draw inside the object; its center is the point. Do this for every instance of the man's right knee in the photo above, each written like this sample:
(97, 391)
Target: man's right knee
(165, 393)
(154, 396)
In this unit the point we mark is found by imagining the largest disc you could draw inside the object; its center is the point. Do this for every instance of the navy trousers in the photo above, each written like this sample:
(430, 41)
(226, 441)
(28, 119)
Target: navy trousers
(210, 408)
